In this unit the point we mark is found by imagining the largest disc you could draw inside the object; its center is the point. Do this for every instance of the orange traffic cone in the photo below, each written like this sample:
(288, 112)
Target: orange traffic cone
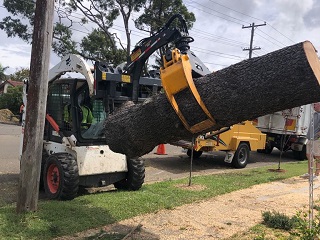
(161, 150)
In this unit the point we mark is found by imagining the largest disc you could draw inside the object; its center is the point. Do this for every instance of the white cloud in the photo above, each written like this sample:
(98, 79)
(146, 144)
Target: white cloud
(219, 39)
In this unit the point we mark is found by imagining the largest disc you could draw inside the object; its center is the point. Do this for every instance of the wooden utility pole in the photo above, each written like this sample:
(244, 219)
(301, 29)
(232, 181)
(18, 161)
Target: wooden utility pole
(251, 48)
(28, 191)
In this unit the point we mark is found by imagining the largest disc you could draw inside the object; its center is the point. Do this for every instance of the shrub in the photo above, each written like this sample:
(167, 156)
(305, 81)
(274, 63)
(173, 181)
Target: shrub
(303, 229)
(12, 99)
(278, 220)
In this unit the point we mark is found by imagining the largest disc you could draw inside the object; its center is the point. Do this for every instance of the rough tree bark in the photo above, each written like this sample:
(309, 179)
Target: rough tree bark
(279, 80)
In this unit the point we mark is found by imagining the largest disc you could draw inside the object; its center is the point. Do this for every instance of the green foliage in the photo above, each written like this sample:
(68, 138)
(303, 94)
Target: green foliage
(20, 26)
(158, 12)
(278, 220)
(102, 42)
(63, 43)
(2, 74)
(298, 224)
(92, 42)
(12, 99)
(156, 15)
(20, 75)
(101, 13)
(302, 228)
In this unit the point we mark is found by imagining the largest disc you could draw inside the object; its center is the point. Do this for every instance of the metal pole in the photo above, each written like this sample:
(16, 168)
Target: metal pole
(311, 167)
(191, 160)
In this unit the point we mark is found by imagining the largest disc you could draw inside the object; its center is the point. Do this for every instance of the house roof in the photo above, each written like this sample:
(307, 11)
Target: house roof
(12, 83)
(15, 83)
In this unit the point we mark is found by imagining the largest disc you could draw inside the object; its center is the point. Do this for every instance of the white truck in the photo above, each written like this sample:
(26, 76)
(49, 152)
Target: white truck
(287, 130)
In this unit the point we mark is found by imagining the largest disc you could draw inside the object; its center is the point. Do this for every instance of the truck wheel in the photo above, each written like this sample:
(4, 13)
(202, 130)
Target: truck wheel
(267, 150)
(135, 176)
(300, 155)
(61, 177)
(241, 156)
(196, 154)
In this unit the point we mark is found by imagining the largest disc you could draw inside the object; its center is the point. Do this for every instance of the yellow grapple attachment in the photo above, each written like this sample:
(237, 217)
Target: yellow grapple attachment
(176, 75)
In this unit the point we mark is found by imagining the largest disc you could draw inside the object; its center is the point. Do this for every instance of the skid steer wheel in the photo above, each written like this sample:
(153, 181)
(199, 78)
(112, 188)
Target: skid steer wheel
(241, 156)
(61, 177)
(43, 162)
(135, 176)
(196, 154)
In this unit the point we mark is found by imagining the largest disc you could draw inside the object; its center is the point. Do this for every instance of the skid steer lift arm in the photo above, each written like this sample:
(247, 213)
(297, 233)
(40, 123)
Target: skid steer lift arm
(178, 36)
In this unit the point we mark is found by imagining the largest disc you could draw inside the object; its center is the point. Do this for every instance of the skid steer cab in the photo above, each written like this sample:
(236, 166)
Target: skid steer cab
(74, 149)
(237, 141)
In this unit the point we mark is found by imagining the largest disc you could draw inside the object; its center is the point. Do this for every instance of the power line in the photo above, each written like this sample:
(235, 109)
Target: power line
(206, 7)
(224, 55)
(224, 65)
(281, 33)
(213, 14)
(268, 40)
(217, 36)
(253, 18)
(236, 11)
(272, 37)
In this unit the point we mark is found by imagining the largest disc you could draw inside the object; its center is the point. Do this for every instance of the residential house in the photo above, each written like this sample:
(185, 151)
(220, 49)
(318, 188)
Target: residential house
(9, 83)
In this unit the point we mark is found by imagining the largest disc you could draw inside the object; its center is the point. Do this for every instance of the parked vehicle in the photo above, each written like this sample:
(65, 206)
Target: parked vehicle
(237, 141)
(286, 130)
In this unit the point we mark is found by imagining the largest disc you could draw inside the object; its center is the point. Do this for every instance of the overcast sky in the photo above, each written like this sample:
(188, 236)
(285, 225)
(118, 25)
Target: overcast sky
(218, 33)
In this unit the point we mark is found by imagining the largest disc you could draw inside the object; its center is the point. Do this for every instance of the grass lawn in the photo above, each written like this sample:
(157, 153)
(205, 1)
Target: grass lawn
(57, 218)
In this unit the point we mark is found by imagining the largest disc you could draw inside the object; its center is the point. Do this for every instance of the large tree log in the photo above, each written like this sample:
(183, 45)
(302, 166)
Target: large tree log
(279, 80)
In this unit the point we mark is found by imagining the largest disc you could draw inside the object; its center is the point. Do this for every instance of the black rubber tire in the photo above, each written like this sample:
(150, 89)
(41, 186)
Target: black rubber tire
(135, 176)
(64, 184)
(196, 154)
(43, 162)
(300, 155)
(241, 156)
(267, 150)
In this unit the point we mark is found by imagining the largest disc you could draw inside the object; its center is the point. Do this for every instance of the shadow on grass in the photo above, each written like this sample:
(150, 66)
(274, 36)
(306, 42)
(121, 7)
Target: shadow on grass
(118, 232)
(8, 188)
(53, 219)
(68, 220)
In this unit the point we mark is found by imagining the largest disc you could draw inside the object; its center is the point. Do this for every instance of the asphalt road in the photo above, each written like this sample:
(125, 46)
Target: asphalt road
(176, 164)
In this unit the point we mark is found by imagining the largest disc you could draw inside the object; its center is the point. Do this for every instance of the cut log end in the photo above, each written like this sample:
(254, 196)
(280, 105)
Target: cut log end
(312, 58)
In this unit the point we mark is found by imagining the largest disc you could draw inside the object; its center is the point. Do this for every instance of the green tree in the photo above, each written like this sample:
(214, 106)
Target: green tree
(156, 15)
(12, 99)
(20, 74)
(102, 13)
(3, 76)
